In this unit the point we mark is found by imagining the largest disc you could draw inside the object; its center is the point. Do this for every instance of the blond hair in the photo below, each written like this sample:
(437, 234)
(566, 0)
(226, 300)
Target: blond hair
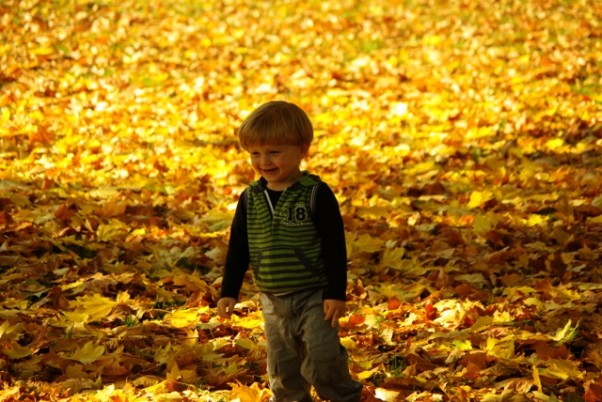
(276, 123)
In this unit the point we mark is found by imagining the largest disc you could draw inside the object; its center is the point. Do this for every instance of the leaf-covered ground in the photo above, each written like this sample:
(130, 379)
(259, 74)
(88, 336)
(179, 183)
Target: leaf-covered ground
(463, 139)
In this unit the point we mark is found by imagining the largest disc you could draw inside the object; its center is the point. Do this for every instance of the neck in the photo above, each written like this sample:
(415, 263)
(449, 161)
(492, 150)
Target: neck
(278, 186)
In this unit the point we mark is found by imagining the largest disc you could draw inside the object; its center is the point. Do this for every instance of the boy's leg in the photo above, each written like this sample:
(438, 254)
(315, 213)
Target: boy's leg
(326, 363)
(286, 382)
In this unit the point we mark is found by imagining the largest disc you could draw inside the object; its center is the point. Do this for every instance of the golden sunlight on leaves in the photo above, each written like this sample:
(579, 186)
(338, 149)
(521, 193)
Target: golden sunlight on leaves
(248, 393)
(463, 140)
(182, 318)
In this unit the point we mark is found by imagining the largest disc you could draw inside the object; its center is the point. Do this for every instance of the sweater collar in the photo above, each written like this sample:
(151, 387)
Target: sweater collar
(262, 184)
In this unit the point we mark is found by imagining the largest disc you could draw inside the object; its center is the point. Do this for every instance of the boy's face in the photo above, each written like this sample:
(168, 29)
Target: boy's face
(278, 164)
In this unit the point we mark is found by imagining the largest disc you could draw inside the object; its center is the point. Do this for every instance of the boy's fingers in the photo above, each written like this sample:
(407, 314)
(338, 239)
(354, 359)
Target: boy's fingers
(224, 312)
(225, 308)
(333, 316)
(329, 312)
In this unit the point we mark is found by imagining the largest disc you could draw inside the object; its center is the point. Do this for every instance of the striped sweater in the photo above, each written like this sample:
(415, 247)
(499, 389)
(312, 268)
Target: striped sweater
(284, 246)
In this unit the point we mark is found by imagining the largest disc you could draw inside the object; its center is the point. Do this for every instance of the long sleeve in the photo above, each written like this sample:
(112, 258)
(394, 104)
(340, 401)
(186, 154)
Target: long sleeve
(237, 258)
(329, 223)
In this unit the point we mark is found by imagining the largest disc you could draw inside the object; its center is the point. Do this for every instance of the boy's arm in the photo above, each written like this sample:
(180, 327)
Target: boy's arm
(329, 223)
(237, 258)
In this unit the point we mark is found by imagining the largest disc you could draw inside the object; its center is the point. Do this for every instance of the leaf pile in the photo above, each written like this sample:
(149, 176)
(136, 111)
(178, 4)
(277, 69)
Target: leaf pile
(463, 139)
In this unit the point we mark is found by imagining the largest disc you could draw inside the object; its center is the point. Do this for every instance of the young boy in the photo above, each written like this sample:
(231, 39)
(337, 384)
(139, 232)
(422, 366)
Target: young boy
(289, 229)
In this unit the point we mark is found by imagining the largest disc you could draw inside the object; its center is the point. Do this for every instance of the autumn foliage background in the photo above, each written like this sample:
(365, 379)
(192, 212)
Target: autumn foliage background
(462, 139)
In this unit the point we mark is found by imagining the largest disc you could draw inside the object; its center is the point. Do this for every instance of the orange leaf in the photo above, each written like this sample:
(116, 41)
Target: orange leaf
(354, 320)
(393, 303)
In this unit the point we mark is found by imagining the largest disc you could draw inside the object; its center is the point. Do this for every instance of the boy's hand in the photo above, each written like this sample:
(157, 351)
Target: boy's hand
(225, 306)
(333, 310)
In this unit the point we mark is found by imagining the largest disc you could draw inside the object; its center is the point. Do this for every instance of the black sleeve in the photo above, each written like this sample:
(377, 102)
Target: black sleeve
(237, 258)
(329, 223)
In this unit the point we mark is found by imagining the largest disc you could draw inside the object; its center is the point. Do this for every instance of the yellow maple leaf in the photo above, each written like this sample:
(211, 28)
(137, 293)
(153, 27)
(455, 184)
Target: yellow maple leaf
(483, 224)
(503, 348)
(244, 393)
(560, 235)
(536, 378)
(477, 280)
(95, 306)
(594, 220)
(8, 330)
(364, 375)
(480, 323)
(567, 333)
(536, 220)
(112, 208)
(146, 381)
(245, 343)
(43, 50)
(16, 351)
(386, 394)
(392, 257)
(89, 353)
(405, 294)
(111, 231)
(173, 372)
(478, 198)
(217, 220)
(5, 115)
(365, 243)
(76, 370)
(182, 318)
(73, 319)
(192, 282)
(251, 321)
(562, 369)
(463, 345)
(374, 212)
(554, 144)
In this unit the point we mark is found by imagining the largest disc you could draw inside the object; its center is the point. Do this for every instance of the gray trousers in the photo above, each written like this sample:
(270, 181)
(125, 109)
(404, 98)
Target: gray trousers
(304, 350)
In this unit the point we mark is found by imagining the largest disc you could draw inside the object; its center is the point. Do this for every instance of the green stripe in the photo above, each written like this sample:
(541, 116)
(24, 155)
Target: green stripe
(274, 245)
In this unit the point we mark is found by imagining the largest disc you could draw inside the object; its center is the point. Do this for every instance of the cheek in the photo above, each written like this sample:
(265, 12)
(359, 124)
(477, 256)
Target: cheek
(260, 163)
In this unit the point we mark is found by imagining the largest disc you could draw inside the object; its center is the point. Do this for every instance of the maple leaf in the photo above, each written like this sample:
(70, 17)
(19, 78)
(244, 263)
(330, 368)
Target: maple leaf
(392, 257)
(94, 307)
(88, 353)
(8, 330)
(182, 318)
(251, 321)
(503, 348)
(252, 393)
(478, 198)
(465, 166)
(173, 373)
(364, 243)
(16, 351)
(561, 369)
(566, 334)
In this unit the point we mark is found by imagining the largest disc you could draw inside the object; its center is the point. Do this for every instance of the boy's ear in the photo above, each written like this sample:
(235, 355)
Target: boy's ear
(304, 149)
